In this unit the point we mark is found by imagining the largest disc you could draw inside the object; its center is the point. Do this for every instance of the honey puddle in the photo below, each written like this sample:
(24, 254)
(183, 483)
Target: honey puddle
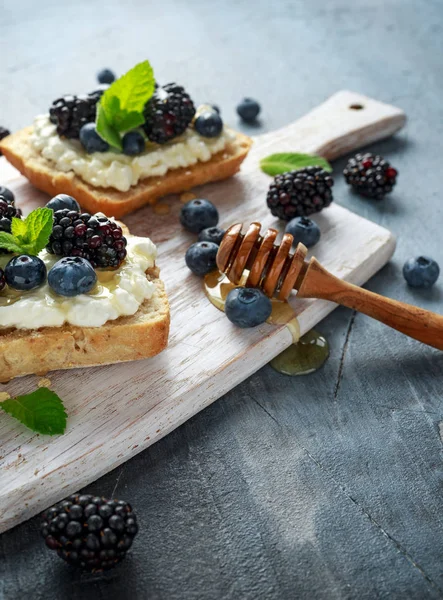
(305, 355)
(162, 209)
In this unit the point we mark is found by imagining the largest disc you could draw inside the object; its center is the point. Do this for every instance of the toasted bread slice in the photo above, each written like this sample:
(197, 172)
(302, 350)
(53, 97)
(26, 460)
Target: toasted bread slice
(41, 173)
(144, 334)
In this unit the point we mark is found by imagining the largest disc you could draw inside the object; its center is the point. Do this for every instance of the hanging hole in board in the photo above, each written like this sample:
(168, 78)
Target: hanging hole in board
(356, 107)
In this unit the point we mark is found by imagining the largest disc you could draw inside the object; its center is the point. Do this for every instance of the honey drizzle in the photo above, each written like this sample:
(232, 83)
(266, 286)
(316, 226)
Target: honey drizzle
(187, 196)
(162, 209)
(217, 287)
(305, 355)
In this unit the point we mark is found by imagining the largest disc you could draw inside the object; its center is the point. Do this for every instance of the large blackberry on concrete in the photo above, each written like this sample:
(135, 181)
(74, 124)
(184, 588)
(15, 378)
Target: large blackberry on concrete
(370, 175)
(70, 113)
(90, 532)
(300, 193)
(168, 113)
(96, 238)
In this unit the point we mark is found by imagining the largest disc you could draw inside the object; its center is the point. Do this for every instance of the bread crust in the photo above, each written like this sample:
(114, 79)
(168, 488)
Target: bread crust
(38, 351)
(21, 154)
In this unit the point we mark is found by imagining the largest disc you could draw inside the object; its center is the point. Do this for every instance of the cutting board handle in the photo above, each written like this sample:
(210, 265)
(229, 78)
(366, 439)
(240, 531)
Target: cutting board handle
(345, 122)
(422, 325)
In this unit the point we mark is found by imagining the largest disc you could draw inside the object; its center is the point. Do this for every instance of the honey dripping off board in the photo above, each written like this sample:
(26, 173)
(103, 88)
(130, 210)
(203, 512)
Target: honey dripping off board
(304, 356)
(116, 411)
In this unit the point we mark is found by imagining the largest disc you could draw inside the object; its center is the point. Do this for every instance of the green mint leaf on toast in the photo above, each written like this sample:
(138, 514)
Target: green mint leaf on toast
(107, 131)
(10, 243)
(275, 164)
(41, 410)
(133, 89)
(18, 229)
(39, 227)
(128, 120)
(30, 235)
(121, 106)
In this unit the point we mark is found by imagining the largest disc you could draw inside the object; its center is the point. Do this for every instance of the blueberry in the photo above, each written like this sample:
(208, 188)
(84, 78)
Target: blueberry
(247, 307)
(62, 201)
(71, 276)
(208, 124)
(6, 193)
(90, 139)
(211, 234)
(133, 143)
(198, 214)
(304, 231)
(421, 272)
(25, 272)
(248, 109)
(105, 76)
(200, 257)
(216, 108)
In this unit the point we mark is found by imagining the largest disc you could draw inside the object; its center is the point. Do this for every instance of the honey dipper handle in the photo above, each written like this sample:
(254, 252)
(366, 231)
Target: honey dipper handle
(417, 323)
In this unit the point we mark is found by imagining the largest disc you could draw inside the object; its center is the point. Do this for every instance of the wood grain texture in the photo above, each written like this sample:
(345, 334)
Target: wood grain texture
(104, 430)
(277, 269)
(326, 486)
(422, 325)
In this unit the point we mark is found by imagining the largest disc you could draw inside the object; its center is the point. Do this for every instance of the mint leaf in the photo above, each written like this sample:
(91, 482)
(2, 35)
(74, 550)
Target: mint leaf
(292, 161)
(121, 106)
(133, 90)
(39, 227)
(18, 228)
(42, 411)
(106, 130)
(30, 235)
(128, 120)
(10, 243)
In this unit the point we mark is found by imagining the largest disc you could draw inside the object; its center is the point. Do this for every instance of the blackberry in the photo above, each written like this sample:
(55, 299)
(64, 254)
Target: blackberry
(300, 193)
(168, 113)
(3, 133)
(90, 532)
(70, 113)
(96, 238)
(8, 210)
(370, 175)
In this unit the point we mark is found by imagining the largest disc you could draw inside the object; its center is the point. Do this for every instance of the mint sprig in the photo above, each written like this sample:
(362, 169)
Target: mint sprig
(41, 410)
(283, 162)
(121, 106)
(30, 235)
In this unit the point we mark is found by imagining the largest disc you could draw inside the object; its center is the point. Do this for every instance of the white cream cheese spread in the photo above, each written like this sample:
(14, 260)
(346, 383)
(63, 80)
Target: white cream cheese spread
(116, 170)
(117, 293)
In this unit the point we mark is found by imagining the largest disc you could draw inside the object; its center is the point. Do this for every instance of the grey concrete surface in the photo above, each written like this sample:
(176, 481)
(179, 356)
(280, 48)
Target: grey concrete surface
(322, 487)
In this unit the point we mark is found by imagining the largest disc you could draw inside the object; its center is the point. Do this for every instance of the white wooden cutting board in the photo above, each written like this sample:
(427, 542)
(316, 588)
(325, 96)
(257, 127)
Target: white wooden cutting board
(117, 411)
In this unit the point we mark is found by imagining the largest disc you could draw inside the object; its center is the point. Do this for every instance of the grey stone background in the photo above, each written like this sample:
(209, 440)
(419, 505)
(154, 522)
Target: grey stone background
(327, 486)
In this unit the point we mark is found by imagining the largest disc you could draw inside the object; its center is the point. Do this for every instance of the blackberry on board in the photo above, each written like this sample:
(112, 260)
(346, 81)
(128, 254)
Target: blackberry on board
(96, 238)
(8, 211)
(168, 113)
(300, 193)
(90, 532)
(70, 113)
(370, 175)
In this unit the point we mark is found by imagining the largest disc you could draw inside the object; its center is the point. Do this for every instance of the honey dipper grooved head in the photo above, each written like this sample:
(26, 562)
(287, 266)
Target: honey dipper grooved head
(271, 267)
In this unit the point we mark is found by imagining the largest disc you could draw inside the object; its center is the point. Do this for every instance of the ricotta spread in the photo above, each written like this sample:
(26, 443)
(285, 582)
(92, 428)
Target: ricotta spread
(117, 293)
(116, 170)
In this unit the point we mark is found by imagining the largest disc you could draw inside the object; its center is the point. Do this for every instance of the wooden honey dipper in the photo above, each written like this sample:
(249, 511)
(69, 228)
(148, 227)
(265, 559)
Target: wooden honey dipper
(276, 271)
